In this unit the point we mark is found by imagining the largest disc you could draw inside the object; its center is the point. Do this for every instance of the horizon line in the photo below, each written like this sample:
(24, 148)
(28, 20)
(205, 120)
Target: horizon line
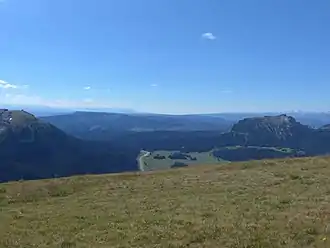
(133, 111)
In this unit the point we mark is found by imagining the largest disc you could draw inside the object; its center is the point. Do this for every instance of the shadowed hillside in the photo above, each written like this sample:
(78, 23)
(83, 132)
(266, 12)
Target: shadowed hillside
(32, 149)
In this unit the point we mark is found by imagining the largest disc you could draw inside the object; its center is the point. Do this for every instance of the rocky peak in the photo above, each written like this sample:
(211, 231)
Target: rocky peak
(21, 126)
(268, 123)
(16, 117)
(272, 130)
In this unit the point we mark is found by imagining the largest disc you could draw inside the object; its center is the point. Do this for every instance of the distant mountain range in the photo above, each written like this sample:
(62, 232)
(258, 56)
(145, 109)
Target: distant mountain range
(85, 142)
(41, 111)
(313, 119)
(105, 126)
(84, 124)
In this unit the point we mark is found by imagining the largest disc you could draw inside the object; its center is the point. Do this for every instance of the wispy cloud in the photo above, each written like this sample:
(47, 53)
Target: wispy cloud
(21, 99)
(6, 85)
(209, 36)
(19, 94)
(153, 85)
(26, 99)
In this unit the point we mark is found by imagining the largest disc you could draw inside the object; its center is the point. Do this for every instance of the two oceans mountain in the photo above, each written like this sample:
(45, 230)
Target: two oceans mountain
(279, 132)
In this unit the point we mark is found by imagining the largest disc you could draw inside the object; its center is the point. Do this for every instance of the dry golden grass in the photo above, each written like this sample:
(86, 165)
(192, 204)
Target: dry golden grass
(279, 203)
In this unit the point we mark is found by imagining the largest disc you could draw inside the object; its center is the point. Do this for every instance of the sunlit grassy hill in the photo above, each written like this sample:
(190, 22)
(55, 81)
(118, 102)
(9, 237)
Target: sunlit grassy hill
(273, 203)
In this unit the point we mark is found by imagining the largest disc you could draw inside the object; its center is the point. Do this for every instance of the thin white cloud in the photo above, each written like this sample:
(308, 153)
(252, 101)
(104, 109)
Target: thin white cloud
(24, 99)
(209, 36)
(153, 85)
(18, 95)
(20, 99)
(6, 85)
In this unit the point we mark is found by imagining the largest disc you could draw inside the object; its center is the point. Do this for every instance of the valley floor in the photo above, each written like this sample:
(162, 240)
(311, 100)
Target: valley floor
(274, 203)
(148, 162)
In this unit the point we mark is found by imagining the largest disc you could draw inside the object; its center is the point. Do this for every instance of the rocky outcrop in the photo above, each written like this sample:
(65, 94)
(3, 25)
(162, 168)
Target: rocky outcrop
(277, 131)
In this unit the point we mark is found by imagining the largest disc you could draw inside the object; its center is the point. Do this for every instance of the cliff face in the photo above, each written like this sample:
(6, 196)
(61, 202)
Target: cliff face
(279, 130)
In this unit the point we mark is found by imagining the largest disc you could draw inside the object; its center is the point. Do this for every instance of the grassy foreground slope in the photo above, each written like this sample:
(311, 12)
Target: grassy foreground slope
(274, 203)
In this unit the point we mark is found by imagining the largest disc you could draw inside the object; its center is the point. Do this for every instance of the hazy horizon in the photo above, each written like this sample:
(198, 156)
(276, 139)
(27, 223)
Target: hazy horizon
(64, 109)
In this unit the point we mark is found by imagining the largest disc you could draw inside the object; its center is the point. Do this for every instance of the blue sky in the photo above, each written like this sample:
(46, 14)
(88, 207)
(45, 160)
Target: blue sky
(168, 56)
